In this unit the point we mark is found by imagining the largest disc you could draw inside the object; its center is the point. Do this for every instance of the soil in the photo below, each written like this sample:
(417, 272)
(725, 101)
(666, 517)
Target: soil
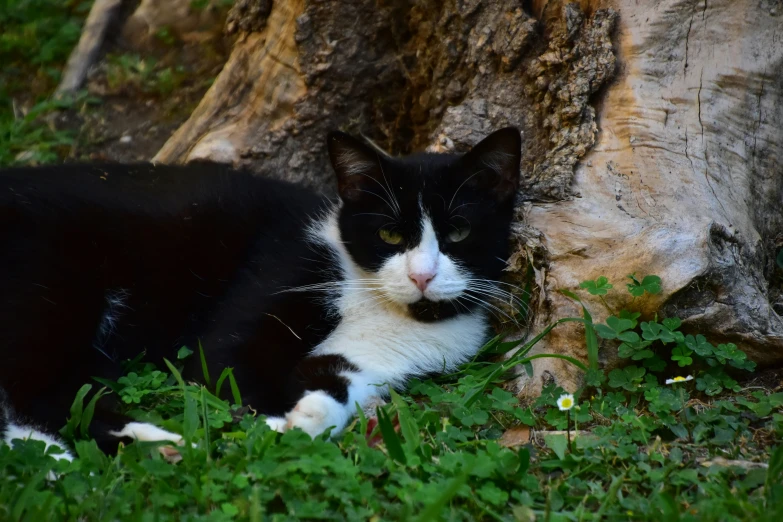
(141, 94)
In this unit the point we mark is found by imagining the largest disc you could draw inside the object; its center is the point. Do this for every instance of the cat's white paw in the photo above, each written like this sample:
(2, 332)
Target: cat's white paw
(317, 411)
(146, 432)
(276, 423)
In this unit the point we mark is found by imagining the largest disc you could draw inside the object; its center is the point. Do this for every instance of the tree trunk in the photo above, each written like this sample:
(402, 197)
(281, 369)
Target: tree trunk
(683, 180)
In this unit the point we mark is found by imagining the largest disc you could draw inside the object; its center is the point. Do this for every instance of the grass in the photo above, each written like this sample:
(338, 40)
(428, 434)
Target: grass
(35, 42)
(645, 450)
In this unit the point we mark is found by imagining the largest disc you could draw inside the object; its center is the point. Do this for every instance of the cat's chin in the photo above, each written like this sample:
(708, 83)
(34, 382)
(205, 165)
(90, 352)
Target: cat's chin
(430, 311)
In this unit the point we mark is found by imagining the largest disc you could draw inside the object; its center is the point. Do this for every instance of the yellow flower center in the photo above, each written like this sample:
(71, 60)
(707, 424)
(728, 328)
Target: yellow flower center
(567, 403)
(678, 379)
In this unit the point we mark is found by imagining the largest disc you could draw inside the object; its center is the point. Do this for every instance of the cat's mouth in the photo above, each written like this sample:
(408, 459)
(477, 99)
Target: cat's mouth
(430, 311)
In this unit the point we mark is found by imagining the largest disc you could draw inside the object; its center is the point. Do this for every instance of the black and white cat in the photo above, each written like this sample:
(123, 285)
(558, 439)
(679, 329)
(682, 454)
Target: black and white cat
(317, 305)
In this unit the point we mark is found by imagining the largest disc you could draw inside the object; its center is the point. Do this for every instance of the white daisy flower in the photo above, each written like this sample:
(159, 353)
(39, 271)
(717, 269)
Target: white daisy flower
(679, 379)
(565, 402)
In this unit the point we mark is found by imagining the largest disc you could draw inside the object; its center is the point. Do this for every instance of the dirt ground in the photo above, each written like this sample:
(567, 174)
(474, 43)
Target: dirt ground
(143, 88)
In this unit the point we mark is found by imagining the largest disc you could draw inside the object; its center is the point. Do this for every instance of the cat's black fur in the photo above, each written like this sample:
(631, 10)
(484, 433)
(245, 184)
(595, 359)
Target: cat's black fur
(101, 262)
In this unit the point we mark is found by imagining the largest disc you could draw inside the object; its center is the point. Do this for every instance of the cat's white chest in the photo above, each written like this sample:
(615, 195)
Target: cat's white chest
(392, 346)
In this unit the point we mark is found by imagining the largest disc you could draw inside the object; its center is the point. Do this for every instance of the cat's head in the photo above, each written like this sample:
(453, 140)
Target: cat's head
(430, 230)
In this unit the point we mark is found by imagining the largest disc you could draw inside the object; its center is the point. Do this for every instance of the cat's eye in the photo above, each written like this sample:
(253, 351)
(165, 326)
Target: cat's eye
(458, 234)
(390, 236)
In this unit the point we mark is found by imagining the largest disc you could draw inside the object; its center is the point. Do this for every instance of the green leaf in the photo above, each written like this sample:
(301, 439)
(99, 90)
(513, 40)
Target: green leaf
(672, 323)
(234, 388)
(627, 378)
(432, 511)
(632, 347)
(708, 384)
(619, 325)
(682, 355)
(605, 332)
(699, 345)
(390, 437)
(184, 353)
(594, 377)
(410, 429)
(77, 407)
(590, 339)
(633, 316)
(773, 486)
(489, 492)
(88, 413)
(599, 286)
(653, 331)
(655, 364)
(650, 284)
(558, 444)
(204, 369)
(642, 355)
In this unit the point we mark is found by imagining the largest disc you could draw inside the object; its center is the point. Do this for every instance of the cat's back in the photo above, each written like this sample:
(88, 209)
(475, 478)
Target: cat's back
(147, 188)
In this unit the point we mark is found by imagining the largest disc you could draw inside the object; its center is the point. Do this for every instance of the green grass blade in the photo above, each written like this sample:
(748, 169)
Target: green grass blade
(221, 379)
(204, 369)
(205, 418)
(77, 408)
(591, 340)
(434, 509)
(234, 388)
(175, 373)
(390, 437)
(89, 411)
(407, 424)
(573, 361)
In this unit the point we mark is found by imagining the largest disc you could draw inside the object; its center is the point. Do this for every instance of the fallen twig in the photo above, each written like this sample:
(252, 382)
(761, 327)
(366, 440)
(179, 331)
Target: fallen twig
(86, 51)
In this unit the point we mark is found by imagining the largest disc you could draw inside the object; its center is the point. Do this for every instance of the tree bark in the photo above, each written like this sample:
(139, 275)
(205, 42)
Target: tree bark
(682, 180)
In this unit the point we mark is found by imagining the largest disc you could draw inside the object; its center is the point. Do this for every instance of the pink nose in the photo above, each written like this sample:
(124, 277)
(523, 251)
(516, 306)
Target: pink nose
(422, 280)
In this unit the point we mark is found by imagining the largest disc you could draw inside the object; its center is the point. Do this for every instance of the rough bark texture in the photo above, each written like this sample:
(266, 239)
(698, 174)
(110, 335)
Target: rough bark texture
(683, 179)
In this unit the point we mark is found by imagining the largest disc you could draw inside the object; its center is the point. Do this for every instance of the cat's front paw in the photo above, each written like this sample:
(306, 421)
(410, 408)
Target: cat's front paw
(276, 423)
(146, 432)
(316, 412)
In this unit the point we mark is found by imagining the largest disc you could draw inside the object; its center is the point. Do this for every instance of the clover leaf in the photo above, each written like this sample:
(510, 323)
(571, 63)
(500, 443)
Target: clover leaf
(682, 355)
(650, 284)
(615, 328)
(627, 378)
(700, 345)
(655, 364)
(599, 286)
(653, 331)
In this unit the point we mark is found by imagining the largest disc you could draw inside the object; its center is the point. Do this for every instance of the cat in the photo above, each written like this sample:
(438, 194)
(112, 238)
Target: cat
(317, 304)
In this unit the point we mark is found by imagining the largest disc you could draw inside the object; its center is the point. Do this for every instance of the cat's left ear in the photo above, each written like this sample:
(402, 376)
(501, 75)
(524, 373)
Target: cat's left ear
(493, 163)
(357, 165)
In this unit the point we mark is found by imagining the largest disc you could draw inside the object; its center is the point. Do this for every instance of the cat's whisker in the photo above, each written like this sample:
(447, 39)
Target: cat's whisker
(504, 297)
(390, 192)
(498, 292)
(394, 210)
(494, 282)
(461, 185)
(480, 301)
(373, 214)
(463, 205)
(333, 285)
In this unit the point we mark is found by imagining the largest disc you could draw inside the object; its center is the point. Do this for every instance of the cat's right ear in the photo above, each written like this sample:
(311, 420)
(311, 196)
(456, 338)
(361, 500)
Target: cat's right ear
(357, 165)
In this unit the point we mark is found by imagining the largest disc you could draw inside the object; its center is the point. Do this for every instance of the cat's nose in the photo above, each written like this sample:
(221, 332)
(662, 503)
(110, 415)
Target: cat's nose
(422, 280)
